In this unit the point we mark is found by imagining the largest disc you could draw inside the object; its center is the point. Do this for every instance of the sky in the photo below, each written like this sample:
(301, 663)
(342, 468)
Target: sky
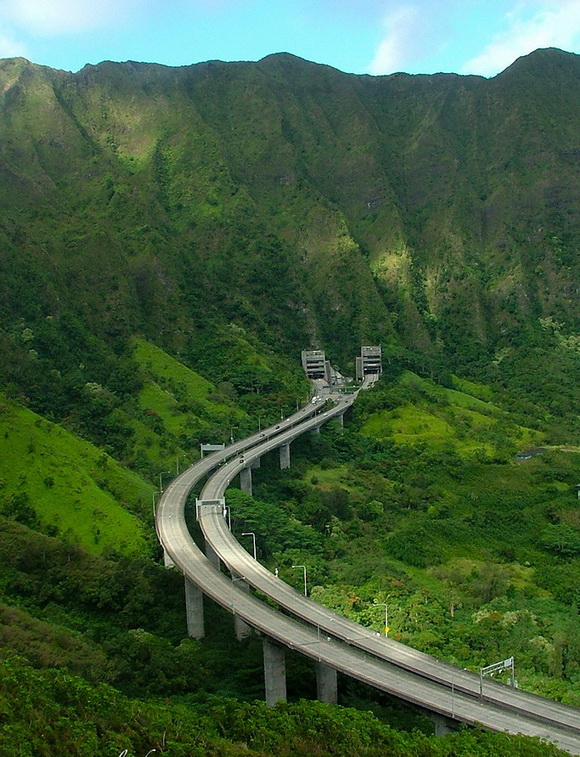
(356, 36)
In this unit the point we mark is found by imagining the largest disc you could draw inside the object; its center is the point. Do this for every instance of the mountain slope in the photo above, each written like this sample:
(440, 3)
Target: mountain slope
(254, 192)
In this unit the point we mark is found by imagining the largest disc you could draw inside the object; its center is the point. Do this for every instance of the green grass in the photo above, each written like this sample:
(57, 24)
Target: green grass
(326, 477)
(176, 409)
(179, 395)
(70, 484)
(163, 367)
(479, 391)
(442, 418)
(157, 400)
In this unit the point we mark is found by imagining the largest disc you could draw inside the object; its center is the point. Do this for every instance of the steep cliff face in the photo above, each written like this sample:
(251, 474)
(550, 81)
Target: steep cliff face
(307, 205)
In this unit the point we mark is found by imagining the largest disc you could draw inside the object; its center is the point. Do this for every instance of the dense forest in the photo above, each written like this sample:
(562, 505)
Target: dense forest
(170, 240)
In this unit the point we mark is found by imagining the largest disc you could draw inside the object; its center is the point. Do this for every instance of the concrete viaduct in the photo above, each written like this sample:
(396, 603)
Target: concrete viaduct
(449, 694)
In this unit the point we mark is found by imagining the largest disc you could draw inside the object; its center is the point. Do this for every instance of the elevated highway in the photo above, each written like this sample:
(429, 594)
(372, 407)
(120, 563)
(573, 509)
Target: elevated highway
(336, 643)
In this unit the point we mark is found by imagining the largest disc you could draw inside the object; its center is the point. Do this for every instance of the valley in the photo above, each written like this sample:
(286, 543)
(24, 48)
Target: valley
(170, 240)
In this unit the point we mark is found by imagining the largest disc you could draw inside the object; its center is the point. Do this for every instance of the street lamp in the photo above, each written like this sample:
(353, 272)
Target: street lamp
(386, 606)
(305, 585)
(253, 535)
(452, 695)
(163, 472)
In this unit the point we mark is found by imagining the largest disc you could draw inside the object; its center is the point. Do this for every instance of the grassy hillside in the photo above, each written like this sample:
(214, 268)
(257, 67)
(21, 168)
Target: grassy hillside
(447, 419)
(177, 408)
(54, 481)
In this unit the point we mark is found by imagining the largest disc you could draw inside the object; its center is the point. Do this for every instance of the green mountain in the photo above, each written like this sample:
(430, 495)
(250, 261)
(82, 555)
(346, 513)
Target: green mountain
(170, 239)
(304, 204)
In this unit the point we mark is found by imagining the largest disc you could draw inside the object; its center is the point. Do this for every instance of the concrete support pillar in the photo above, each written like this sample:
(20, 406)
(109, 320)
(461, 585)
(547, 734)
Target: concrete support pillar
(246, 480)
(443, 725)
(167, 561)
(256, 463)
(340, 419)
(284, 456)
(274, 672)
(242, 629)
(326, 683)
(212, 555)
(194, 610)
(315, 430)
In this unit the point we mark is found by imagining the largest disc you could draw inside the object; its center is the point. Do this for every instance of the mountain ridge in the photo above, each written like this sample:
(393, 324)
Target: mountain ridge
(417, 185)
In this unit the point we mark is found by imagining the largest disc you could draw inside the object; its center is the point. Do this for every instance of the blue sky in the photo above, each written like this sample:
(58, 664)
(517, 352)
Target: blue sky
(357, 36)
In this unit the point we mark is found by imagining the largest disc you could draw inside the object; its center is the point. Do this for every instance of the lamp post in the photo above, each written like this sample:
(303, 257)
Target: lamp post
(452, 695)
(253, 535)
(386, 606)
(305, 584)
(163, 472)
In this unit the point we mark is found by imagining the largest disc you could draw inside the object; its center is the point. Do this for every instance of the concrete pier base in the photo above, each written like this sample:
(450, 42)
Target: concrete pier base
(326, 683)
(274, 672)
(443, 725)
(246, 480)
(284, 456)
(241, 628)
(167, 561)
(194, 610)
(212, 555)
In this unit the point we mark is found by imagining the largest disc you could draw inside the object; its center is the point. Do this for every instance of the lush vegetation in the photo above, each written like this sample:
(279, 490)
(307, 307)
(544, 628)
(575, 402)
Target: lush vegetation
(48, 711)
(170, 240)
(474, 551)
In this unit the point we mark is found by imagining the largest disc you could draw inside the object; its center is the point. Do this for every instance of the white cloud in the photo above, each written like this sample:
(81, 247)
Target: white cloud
(53, 17)
(393, 51)
(528, 27)
(11, 48)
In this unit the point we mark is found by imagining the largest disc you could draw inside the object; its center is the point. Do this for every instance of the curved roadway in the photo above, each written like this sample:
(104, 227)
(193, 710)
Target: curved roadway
(329, 637)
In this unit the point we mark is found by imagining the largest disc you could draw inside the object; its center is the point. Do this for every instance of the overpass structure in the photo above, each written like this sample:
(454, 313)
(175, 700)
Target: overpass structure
(336, 644)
